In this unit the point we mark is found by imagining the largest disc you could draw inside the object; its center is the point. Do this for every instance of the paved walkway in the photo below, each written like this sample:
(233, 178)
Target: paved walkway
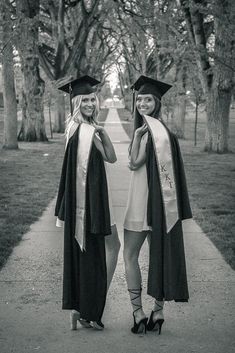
(31, 319)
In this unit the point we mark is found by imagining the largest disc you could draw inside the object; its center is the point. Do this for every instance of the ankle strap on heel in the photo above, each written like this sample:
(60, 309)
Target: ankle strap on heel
(137, 294)
(159, 307)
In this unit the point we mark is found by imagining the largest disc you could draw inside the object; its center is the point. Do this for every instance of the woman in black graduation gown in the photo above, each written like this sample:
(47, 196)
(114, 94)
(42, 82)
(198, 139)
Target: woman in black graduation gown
(83, 206)
(157, 203)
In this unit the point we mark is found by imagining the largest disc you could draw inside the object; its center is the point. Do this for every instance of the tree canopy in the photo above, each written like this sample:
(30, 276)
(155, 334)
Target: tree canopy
(180, 41)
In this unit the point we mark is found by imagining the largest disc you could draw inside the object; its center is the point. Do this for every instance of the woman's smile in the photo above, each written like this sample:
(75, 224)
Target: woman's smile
(88, 105)
(88, 110)
(145, 104)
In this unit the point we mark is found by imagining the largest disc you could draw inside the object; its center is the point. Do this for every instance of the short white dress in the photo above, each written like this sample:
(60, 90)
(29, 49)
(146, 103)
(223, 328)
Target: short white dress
(136, 210)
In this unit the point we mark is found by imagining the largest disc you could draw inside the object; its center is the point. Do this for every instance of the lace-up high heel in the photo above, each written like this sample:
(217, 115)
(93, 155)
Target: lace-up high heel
(139, 327)
(155, 325)
(75, 317)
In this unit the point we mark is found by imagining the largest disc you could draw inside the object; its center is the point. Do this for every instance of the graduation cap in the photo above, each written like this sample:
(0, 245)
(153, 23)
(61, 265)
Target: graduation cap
(78, 86)
(147, 85)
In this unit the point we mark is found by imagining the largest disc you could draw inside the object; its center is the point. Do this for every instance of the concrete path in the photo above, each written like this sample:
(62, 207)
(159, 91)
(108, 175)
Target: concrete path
(31, 319)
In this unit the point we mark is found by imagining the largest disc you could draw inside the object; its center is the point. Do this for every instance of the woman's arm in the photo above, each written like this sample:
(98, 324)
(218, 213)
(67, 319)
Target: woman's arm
(138, 151)
(104, 145)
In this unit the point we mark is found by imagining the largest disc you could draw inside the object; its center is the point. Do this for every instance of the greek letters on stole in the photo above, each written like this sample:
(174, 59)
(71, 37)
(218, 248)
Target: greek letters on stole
(162, 148)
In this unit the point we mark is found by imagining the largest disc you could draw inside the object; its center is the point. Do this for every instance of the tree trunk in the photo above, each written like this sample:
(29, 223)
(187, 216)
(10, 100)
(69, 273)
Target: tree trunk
(59, 122)
(217, 79)
(23, 129)
(180, 117)
(33, 124)
(9, 94)
(195, 124)
(181, 101)
(220, 92)
(218, 107)
(50, 122)
(34, 127)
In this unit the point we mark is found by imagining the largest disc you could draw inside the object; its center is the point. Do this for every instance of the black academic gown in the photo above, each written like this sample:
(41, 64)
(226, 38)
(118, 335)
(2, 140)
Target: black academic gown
(167, 278)
(84, 275)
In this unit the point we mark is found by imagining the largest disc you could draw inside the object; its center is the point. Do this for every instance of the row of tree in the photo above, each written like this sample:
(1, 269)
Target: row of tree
(189, 42)
(61, 38)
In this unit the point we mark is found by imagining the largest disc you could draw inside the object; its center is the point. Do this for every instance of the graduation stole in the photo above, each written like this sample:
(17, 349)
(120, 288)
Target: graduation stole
(85, 139)
(163, 153)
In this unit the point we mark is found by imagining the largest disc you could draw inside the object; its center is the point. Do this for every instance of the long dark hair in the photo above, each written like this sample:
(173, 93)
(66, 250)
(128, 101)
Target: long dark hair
(138, 119)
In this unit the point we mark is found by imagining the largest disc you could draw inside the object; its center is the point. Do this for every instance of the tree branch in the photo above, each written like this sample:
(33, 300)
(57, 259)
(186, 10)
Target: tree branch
(46, 65)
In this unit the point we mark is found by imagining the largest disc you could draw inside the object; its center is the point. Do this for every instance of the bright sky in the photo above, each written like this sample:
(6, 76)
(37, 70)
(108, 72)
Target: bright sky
(113, 79)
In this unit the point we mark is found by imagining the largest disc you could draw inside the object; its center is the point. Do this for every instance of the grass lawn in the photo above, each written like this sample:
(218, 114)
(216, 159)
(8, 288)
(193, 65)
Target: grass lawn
(29, 179)
(211, 184)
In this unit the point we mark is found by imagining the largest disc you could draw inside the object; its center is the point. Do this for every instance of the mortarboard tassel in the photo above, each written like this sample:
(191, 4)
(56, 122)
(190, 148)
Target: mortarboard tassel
(133, 102)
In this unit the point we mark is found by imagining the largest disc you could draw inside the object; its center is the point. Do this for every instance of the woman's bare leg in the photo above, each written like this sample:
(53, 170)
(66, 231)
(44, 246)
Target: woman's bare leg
(112, 247)
(158, 304)
(133, 242)
(158, 310)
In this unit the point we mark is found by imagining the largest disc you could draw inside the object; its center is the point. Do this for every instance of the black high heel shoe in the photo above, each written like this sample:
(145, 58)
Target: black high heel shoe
(139, 327)
(157, 324)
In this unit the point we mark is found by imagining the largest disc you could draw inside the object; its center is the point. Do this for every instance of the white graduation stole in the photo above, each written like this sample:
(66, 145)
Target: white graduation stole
(162, 148)
(85, 138)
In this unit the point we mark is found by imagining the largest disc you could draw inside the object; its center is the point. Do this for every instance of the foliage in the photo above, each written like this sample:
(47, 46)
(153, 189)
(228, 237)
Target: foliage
(75, 37)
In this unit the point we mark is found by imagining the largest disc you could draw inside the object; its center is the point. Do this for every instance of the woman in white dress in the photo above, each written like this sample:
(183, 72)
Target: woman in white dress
(146, 210)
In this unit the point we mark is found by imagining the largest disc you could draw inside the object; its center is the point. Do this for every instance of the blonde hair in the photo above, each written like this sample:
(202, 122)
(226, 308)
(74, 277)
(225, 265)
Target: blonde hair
(77, 115)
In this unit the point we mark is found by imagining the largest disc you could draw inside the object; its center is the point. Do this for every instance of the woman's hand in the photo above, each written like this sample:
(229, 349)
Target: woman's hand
(99, 129)
(138, 153)
(141, 130)
(131, 167)
(104, 144)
